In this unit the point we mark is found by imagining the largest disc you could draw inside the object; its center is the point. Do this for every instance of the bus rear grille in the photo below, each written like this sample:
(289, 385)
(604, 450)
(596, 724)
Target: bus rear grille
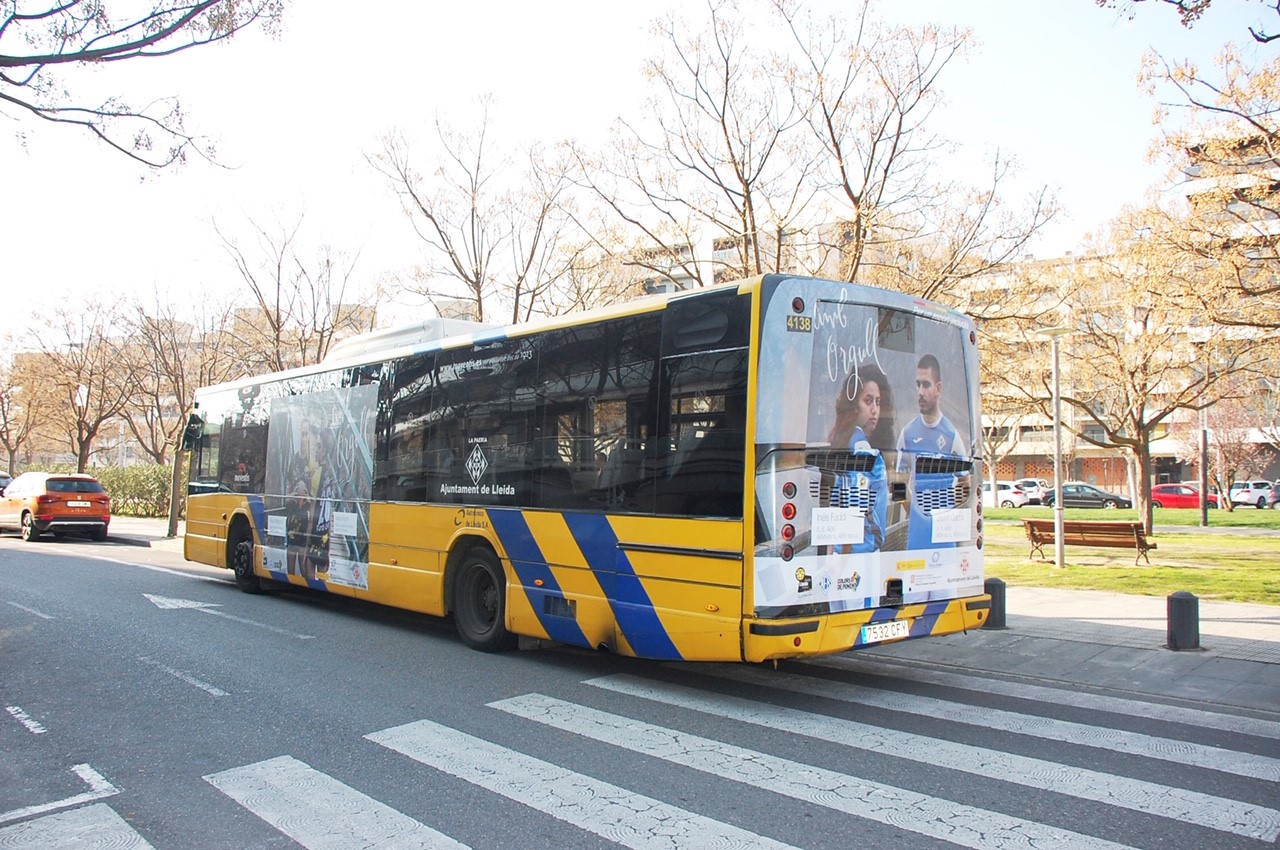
(831, 460)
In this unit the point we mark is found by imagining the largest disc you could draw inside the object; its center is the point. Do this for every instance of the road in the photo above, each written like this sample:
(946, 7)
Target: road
(147, 703)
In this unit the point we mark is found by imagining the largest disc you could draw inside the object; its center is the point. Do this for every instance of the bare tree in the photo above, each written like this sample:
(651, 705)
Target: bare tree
(1001, 436)
(869, 91)
(1142, 352)
(1232, 424)
(81, 370)
(176, 355)
(1189, 11)
(40, 43)
(19, 415)
(304, 299)
(499, 237)
(774, 142)
(1004, 372)
(1225, 156)
(716, 162)
(173, 353)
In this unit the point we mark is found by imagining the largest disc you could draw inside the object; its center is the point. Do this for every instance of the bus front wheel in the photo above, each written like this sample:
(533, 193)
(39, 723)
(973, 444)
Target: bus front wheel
(479, 602)
(242, 562)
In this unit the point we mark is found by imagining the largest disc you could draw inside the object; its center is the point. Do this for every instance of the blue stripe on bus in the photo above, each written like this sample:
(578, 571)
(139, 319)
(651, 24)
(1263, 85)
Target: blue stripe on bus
(632, 607)
(258, 511)
(923, 625)
(530, 565)
(883, 615)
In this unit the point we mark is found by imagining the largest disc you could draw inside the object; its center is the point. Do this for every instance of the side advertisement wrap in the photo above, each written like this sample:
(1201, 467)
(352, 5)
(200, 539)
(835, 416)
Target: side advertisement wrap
(318, 484)
(865, 451)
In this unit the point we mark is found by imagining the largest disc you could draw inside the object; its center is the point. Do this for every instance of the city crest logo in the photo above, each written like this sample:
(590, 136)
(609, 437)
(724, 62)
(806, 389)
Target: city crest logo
(477, 463)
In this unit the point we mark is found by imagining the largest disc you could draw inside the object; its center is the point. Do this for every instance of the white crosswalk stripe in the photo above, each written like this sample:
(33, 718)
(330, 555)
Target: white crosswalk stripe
(919, 813)
(1165, 801)
(93, 827)
(321, 813)
(613, 813)
(1117, 740)
(1196, 717)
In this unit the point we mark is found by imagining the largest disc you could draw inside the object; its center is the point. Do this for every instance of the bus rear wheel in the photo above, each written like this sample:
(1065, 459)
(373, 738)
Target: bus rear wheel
(479, 602)
(241, 552)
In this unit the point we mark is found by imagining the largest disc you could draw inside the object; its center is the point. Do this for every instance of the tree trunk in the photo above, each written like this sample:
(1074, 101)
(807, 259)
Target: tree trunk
(175, 495)
(1142, 492)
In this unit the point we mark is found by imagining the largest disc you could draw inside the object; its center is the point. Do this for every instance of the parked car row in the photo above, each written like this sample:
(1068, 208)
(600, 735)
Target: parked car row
(1078, 494)
(37, 503)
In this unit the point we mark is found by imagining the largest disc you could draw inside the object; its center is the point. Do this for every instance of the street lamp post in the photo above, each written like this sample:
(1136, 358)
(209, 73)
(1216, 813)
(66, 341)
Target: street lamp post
(1055, 334)
(1204, 472)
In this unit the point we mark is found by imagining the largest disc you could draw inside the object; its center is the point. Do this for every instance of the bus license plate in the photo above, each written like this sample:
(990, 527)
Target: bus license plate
(77, 504)
(877, 632)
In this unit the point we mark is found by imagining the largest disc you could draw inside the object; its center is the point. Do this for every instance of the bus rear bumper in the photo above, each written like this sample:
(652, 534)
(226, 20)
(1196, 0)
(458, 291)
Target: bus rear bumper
(826, 634)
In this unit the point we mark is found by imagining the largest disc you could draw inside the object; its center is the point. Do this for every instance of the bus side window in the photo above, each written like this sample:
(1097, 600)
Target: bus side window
(596, 382)
(701, 473)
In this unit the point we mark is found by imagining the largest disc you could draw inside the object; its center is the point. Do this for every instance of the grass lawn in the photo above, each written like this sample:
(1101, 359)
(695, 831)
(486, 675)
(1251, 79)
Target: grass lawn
(1237, 568)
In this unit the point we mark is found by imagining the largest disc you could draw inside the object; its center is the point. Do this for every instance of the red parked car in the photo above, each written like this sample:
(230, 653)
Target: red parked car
(36, 503)
(1179, 496)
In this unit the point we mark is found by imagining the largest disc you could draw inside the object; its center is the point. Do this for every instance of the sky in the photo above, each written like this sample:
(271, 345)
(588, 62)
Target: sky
(1052, 83)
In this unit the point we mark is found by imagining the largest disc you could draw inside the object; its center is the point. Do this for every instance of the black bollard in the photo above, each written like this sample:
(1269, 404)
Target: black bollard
(1184, 621)
(994, 587)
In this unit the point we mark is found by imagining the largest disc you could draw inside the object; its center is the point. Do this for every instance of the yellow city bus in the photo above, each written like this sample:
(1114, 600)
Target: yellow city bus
(775, 468)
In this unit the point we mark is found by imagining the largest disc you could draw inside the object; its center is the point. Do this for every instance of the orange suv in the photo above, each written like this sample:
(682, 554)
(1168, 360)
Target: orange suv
(40, 502)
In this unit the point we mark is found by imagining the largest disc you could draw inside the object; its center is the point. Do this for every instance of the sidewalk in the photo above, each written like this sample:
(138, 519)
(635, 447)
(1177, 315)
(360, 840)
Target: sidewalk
(145, 531)
(1107, 641)
(1116, 642)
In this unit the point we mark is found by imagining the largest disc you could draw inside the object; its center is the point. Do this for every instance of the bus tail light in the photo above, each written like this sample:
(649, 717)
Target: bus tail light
(788, 532)
(789, 511)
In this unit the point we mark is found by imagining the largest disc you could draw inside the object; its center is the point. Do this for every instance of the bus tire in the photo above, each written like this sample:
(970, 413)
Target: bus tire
(240, 558)
(479, 602)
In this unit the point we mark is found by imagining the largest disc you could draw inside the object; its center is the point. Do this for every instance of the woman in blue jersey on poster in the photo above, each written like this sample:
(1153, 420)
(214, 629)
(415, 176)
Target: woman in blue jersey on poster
(864, 424)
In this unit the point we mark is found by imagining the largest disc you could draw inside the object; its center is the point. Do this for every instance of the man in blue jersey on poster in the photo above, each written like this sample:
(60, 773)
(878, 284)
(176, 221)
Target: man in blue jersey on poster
(928, 435)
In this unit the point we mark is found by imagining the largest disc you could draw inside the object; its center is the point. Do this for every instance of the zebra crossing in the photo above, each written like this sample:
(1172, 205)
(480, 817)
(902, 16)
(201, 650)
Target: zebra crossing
(1162, 776)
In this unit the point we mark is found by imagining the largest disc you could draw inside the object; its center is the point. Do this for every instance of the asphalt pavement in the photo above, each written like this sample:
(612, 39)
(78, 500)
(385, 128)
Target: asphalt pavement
(1107, 642)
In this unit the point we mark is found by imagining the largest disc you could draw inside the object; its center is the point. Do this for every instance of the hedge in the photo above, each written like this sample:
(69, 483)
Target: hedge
(141, 490)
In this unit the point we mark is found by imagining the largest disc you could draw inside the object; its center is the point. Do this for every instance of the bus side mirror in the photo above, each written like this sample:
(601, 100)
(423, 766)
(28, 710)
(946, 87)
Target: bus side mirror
(192, 433)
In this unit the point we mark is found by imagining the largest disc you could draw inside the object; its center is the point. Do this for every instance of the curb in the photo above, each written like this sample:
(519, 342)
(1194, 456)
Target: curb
(128, 541)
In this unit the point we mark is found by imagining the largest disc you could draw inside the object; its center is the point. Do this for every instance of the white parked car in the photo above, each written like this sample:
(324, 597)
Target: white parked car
(1008, 495)
(1254, 493)
(1035, 488)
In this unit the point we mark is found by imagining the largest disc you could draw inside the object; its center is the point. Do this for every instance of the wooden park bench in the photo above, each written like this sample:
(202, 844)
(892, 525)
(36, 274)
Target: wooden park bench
(1083, 532)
